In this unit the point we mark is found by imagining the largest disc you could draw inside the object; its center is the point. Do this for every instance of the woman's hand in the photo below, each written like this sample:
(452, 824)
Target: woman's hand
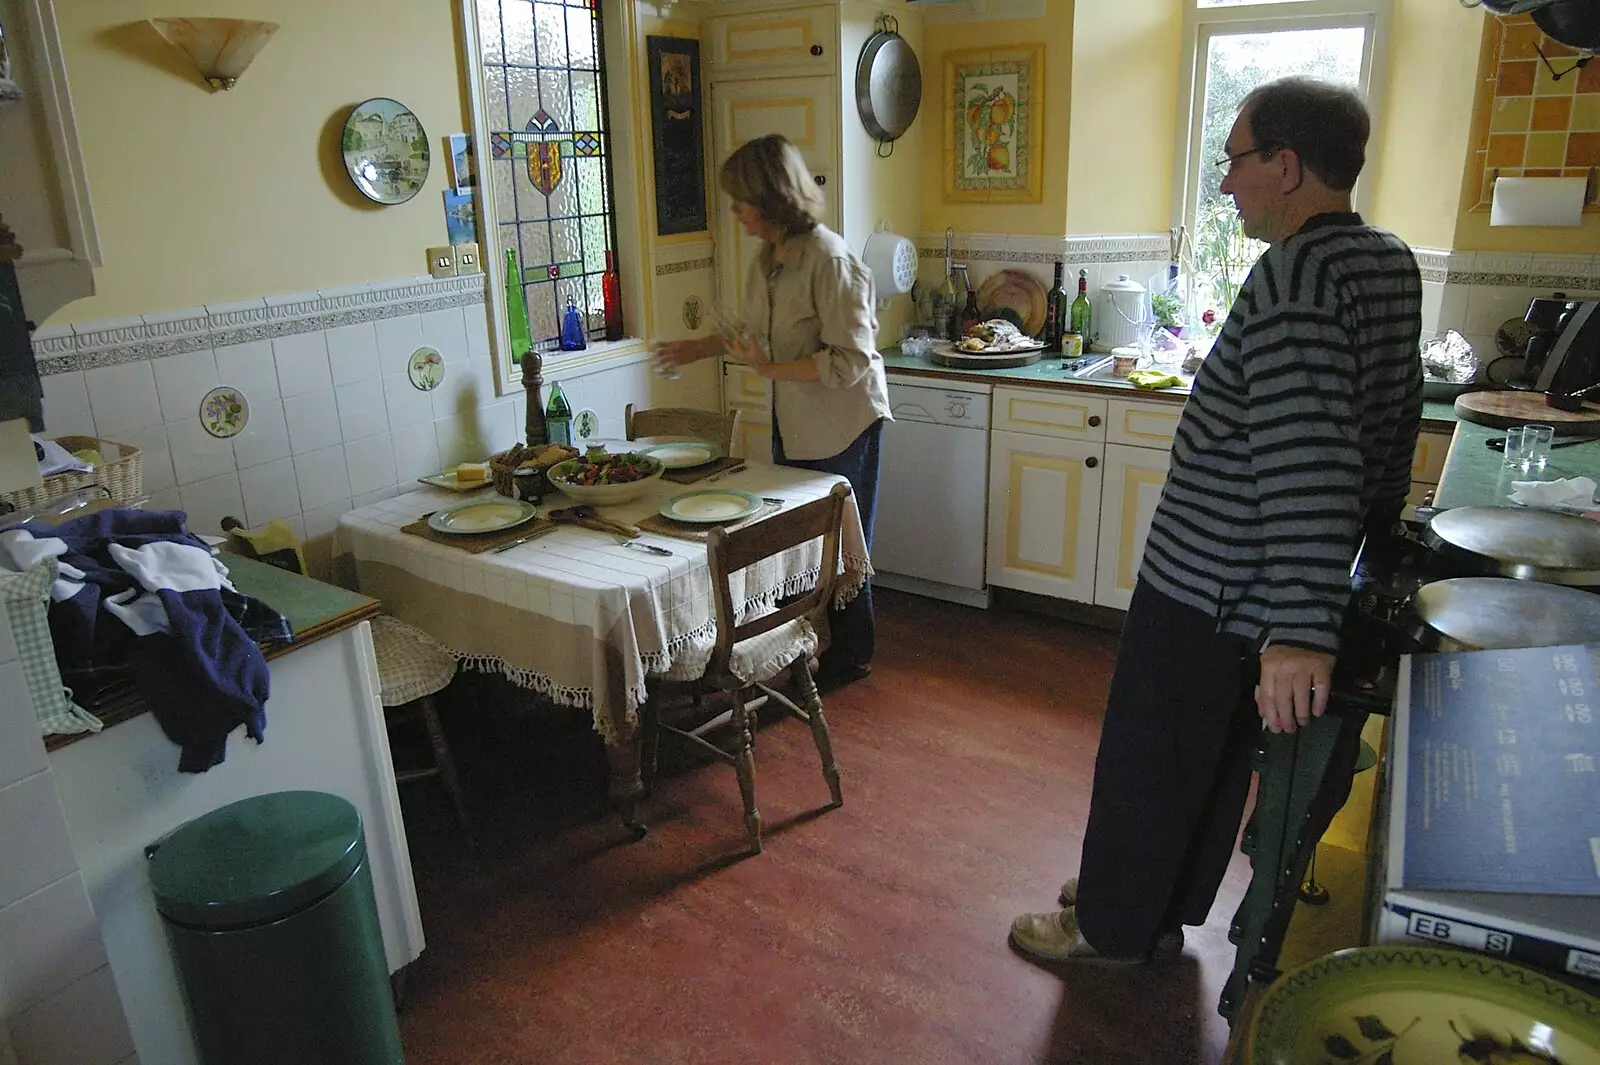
(745, 348)
(669, 355)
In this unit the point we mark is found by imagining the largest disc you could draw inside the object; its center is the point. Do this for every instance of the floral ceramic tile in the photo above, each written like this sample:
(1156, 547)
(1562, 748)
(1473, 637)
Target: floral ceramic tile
(426, 369)
(224, 412)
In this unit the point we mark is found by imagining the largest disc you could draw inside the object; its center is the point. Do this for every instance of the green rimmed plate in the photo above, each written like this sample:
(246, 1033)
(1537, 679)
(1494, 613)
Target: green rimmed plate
(481, 516)
(711, 506)
(680, 456)
(1417, 1006)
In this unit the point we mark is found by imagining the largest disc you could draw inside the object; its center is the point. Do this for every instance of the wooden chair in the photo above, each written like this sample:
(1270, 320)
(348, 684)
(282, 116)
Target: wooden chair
(713, 428)
(749, 654)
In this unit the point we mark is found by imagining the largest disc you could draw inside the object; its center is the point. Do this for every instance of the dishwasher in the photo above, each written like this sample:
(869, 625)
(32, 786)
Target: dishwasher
(933, 491)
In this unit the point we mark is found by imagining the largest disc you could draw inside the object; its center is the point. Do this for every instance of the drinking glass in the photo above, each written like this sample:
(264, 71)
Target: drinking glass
(1516, 453)
(1536, 440)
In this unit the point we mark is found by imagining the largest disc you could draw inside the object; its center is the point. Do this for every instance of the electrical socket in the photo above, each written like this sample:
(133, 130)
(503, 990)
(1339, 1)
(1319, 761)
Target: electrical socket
(466, 256)
(442, 262)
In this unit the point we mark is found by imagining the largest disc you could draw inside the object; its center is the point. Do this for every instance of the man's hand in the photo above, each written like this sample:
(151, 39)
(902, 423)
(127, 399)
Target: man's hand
(1294, 686)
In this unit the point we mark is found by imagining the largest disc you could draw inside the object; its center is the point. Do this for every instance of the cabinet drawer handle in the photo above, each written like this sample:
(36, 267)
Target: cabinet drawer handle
(816, 49)
(1091, 462)
(1094, 420)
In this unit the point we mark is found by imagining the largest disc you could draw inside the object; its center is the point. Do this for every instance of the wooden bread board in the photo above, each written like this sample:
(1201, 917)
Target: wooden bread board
(1502, 410)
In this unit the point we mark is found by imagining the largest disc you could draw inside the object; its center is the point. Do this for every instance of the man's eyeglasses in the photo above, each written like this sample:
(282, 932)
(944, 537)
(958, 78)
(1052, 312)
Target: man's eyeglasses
(1225, 164)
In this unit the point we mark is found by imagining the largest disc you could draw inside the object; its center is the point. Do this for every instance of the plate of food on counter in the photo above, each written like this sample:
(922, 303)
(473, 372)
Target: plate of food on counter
(995, 342)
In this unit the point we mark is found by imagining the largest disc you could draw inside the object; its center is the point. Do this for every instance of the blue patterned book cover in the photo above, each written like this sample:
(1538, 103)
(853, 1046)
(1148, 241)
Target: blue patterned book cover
(1503, 786)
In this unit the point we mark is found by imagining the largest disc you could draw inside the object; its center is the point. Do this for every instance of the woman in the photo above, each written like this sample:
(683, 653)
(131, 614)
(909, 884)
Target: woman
(809, 305)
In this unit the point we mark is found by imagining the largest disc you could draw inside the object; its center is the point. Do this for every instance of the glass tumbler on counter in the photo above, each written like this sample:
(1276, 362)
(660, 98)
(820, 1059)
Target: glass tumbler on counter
(1528, 446)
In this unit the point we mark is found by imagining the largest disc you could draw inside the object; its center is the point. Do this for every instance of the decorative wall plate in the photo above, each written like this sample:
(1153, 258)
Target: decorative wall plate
(585, 425)
(385, 150)
(426, 369)
(224, 412)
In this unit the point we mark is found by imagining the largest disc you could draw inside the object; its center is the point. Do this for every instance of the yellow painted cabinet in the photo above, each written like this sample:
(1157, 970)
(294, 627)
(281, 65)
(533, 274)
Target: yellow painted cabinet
(1427, 463)
(1132, 479)
(749, 393)
(777, 43)
(1044, 514)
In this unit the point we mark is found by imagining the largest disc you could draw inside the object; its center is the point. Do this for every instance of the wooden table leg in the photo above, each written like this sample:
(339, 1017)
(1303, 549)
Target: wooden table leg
(626, 784)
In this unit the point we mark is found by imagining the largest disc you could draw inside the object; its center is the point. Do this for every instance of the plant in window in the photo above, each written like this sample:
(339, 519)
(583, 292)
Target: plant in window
(1223, 255)
(1168, 310)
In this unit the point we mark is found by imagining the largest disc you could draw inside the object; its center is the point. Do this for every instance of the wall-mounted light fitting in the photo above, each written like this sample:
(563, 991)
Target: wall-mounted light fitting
(220, 48)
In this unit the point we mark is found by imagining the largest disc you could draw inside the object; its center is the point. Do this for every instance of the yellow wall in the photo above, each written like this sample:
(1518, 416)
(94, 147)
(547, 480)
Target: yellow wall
(1049, 215)
(202, 197)
(1424, 129)
(1124, 116)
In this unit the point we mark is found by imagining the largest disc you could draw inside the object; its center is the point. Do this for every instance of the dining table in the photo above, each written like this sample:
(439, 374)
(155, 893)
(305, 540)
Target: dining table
(582, 616)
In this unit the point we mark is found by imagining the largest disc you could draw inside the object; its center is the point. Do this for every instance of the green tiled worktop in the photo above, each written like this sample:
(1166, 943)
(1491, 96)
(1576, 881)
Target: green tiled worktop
(1474, 477)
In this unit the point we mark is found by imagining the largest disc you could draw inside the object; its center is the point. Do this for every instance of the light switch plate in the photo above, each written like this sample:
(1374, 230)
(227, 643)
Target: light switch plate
(466, 256)
(441, 262)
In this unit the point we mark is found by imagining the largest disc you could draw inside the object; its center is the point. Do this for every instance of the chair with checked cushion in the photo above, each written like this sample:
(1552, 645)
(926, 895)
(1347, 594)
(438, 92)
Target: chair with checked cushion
(413, 667)
(751, 653)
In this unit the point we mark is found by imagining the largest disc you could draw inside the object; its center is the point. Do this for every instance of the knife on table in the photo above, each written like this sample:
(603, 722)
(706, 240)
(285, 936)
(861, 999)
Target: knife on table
(522, 540)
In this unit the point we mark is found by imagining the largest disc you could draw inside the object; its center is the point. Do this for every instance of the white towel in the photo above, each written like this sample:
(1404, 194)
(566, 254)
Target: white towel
(1572, 493)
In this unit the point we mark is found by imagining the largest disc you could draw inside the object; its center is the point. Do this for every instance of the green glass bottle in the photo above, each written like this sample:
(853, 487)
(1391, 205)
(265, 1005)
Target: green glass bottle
(558, 416)
(1080, 315)
(516, 308)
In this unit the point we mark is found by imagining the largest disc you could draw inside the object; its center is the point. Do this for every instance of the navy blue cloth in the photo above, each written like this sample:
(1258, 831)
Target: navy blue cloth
(202, 678)
(853, 628)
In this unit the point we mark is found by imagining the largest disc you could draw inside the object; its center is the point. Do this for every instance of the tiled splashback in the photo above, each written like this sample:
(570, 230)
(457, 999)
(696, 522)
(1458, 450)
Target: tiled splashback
(1474, 292)
(334, 420)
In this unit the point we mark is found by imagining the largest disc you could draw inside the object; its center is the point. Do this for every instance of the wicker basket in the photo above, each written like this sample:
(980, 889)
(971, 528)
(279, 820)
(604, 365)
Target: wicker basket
(121, 472)
(501, 467)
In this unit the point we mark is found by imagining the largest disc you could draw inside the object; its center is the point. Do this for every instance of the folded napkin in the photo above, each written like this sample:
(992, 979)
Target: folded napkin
(1154, 379)
(1573, 492)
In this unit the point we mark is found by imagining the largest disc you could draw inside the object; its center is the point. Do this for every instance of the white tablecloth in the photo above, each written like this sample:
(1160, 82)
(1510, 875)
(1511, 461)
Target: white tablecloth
(573, 614)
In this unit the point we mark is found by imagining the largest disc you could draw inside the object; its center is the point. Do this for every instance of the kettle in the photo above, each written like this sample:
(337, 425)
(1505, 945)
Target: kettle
(1119, 321)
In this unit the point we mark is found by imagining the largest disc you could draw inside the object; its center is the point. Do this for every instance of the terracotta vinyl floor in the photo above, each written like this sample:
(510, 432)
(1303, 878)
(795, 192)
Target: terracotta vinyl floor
(871, 933)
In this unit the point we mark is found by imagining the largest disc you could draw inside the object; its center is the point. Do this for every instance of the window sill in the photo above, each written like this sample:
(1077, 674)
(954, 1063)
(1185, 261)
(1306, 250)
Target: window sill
(559, 365)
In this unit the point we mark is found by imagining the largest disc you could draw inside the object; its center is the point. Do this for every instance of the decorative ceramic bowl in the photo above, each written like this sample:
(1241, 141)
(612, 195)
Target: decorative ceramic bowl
(602, 495)
(1399, 1005)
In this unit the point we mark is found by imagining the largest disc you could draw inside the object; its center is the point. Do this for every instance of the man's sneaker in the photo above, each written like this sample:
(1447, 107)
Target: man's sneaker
(1055, 937)
(1166, 943)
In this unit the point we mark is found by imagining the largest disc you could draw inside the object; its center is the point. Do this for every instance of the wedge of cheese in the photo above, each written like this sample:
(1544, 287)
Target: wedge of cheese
(472, 471)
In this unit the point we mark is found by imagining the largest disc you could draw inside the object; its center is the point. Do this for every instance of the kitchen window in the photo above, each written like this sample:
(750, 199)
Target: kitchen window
(543, 148)
(1233, 46)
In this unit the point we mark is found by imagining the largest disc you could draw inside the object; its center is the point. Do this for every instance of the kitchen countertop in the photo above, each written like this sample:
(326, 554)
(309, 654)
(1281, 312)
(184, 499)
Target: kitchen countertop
(1473, 475)
(315, 610)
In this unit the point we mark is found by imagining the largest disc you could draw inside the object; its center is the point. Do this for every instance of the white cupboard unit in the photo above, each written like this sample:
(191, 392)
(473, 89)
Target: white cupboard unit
(44, 190)
(1044, 514)
(749, 393)
(1132, 479)
(790, 42)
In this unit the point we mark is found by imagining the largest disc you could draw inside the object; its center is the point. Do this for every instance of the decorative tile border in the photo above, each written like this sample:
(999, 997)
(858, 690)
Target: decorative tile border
(1023, 248)
(663, 269)
(87, 345)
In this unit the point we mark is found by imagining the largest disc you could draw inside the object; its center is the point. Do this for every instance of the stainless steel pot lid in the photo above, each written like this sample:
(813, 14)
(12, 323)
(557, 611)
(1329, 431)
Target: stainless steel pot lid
(1530, 545)
(1489, 613)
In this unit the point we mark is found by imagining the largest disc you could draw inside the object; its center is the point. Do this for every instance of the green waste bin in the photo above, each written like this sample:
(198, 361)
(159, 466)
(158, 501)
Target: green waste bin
(269, 909)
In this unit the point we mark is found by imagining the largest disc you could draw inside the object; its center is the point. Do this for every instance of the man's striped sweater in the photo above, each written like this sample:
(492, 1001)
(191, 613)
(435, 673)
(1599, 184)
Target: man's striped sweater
(1301, 424)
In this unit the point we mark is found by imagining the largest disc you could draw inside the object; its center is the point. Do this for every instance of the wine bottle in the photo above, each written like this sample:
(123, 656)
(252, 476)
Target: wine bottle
(516, 308)
(572, 338)
(945, 305)
(1055, 309)
(970, 314)
(611, 294)
(1081, 316)
(558, 416)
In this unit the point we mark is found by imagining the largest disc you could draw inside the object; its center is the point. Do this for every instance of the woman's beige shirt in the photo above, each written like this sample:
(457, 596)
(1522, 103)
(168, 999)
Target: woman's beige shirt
(814, 300)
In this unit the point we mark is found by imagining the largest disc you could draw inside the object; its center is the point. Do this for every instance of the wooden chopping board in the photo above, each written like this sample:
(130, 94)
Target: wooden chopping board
(1502, 410)
(1017, 292)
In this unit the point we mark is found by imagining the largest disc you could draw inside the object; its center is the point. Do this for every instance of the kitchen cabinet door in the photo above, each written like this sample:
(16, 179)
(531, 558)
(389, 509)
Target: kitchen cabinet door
(1133, 477)
(750, 394)
(790, 41)
(1044, 514)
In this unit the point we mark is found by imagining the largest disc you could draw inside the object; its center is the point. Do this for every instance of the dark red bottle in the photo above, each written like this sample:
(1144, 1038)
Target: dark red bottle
(611, 294)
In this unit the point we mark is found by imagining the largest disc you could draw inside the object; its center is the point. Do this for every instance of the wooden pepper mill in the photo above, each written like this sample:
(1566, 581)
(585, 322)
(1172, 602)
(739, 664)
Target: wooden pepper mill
(534, 427)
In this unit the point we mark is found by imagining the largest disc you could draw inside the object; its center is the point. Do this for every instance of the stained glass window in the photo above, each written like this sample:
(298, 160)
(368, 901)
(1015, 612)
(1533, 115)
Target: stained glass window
(549, 166)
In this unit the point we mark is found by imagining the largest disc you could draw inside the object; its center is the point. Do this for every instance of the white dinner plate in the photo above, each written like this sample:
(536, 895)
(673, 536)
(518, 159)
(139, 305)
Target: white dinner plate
(481, 516)
(680, 456)
(713, 505)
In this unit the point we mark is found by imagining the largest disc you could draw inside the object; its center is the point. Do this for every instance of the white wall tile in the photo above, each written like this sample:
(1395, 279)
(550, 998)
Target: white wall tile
(1453, 307)
(302, 360)
(362, 411)
(269, 491)
(313, 421)
(323, 478)
(406, 405)
(48, 940)
(500, 426)
(476, 319)
(21, 748)
(446, 330)
(166, 499)
(66, 405)
(468, 384)
(156, 470)
(379, 496)
(370, 463)
(398, 337)
(353, 353)
(265, 437)
(1432, 301)
(196, 454)
(33, 837)
(251, 369)
(461, 439)
(122, 397)
(209, 501)
(1490, 305)
(416, 454)
(182, 381)
(83, 1023)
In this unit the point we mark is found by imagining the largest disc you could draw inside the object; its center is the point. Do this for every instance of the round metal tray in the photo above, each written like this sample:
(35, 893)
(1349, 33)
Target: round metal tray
(945, 354)
(1491, 613)
(1530, 545)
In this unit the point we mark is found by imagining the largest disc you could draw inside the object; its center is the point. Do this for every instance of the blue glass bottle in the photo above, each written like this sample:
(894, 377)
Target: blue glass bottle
(572, 338)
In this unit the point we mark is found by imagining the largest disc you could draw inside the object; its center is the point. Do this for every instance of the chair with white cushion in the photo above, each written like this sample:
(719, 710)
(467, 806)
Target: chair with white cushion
(413, 667)
(750, 654)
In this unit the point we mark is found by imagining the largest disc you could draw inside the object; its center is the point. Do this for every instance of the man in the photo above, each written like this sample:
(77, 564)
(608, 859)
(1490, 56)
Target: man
(1298, 434)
